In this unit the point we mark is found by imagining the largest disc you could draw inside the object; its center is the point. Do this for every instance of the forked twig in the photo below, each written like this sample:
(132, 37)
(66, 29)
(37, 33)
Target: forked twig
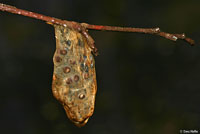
(76, 25)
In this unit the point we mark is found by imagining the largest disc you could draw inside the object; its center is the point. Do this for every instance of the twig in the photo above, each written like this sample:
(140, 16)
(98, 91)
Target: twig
(79, 26)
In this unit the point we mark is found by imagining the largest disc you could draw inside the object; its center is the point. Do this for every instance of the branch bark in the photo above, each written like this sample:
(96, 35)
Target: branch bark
(78, 26)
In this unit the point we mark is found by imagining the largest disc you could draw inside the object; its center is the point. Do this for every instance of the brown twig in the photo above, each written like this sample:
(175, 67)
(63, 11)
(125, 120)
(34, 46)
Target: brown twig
(76, 25)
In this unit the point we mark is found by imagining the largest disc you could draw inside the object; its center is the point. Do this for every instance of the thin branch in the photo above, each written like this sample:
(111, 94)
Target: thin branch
(79, 26)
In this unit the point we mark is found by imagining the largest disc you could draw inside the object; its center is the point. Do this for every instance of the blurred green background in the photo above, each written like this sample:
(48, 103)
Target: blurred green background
(146, 84)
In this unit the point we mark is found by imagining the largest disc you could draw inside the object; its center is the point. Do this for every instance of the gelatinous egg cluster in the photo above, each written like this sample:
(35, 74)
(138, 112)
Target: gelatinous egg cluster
(74, 77)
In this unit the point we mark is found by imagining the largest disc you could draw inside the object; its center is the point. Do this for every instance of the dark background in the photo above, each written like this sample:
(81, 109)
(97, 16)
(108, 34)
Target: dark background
(146, 84)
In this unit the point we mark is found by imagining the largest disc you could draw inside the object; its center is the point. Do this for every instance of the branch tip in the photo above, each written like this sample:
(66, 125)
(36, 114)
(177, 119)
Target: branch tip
(77, 26)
